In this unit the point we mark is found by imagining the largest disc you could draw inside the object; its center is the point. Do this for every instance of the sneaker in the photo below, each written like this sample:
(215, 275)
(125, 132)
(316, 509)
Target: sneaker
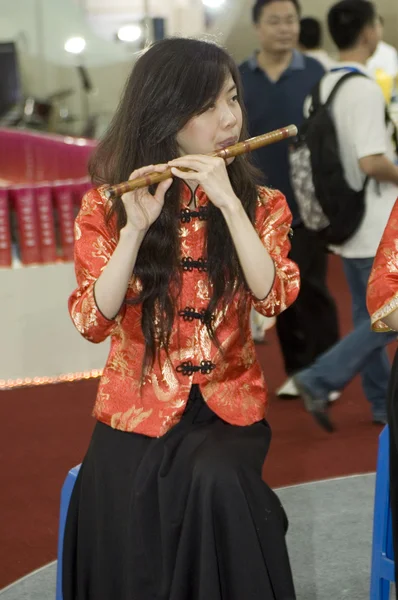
(333, 396)
(288, 389)
(317, 407)
(259, 327)
(258, 336)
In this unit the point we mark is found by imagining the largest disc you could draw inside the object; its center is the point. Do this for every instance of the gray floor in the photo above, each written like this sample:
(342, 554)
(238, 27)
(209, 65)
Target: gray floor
(329, 542)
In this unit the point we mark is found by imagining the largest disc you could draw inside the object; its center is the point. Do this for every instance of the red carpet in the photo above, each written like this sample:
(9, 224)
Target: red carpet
(45, 431)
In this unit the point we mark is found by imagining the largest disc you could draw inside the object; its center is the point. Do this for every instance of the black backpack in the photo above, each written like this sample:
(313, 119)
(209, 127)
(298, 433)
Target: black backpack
(326, 202)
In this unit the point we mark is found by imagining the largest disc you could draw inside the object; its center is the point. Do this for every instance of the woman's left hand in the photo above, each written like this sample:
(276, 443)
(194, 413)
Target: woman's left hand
(211, 173)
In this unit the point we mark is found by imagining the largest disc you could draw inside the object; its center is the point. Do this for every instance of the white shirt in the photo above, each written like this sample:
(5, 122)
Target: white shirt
(359, 115)
(323, 57)
(385, 58)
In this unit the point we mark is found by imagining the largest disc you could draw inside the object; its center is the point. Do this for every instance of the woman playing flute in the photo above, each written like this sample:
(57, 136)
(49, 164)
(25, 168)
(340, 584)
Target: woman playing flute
(382, 300)
(169, 502)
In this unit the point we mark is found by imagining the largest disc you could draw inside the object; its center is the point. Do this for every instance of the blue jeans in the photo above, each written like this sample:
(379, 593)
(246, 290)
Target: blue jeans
(361, 351)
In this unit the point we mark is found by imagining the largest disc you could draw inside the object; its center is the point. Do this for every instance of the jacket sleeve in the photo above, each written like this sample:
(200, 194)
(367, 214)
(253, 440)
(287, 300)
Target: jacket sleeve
(273, 224)
(95, 242)
(382, 292)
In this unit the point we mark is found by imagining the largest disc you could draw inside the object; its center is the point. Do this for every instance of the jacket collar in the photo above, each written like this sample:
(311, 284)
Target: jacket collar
(187, 195)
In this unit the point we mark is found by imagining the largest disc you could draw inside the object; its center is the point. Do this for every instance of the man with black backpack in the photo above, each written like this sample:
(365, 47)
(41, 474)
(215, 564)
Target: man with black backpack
(276, 80)
(346, 194)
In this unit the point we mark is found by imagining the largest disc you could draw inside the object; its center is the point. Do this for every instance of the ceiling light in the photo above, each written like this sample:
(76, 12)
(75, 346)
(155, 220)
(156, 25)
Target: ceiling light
(213, 3)
(75, 45)
(129, 33)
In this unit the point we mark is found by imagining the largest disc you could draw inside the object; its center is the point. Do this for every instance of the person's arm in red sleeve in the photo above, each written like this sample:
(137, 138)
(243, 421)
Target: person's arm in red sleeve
(97, 244)
(273, 223)
(105, 258)
(382, 293)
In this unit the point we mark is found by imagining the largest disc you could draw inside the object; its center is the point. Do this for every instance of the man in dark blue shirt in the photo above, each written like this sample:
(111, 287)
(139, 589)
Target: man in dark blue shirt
(276, 82)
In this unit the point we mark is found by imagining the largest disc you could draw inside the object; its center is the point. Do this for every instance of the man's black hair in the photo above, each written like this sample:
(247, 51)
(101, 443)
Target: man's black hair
(310, 33)
(347, 19)
(259, 5)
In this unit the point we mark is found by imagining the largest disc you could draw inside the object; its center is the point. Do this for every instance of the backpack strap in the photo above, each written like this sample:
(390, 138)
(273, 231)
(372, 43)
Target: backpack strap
(332, 95)
(316, 92)
(316, 97)
(316, 103)
(334, 91)
(340, 82)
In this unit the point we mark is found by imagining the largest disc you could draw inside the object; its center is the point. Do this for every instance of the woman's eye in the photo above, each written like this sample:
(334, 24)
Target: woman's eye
(205, 109)
(235, 98)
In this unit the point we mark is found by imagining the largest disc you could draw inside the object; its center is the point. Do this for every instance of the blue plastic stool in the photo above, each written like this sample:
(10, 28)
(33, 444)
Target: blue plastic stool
(382, 573)
(66, 493)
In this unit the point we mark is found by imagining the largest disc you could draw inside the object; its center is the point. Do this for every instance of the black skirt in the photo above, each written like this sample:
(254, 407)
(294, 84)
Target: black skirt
(181, 517)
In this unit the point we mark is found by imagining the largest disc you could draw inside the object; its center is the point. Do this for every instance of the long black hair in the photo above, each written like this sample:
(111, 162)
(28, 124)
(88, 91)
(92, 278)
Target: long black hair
(171, 82)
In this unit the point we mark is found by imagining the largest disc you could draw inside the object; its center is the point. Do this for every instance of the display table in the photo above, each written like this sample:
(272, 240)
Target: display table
(38, 338)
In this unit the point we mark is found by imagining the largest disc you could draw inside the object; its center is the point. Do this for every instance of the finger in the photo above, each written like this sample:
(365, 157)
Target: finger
(148, 169)
(191, 175)
(198, 165)
(202, 159)
(193, 165)
(161, 168)
(143, 171)
(189, 162)
(133, 195)
(144, 212)
(162, 189)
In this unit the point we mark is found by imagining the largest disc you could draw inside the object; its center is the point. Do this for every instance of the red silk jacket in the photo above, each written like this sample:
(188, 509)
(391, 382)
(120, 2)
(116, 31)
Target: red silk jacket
(382, 295)
(232, 384)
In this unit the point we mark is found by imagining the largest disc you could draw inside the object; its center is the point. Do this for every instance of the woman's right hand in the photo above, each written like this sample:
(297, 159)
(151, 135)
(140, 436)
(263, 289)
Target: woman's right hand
(143, 208)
